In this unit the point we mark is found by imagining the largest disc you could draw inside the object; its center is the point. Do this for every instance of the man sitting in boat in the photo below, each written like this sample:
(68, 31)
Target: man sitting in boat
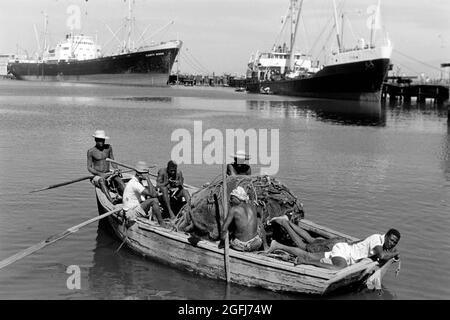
(134, 202)
(99, 167)
(170, 183)
(239, 167)
(245, 236)
(380, 247)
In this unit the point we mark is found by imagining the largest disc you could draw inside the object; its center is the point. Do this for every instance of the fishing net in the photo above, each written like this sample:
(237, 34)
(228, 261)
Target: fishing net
(270, 197)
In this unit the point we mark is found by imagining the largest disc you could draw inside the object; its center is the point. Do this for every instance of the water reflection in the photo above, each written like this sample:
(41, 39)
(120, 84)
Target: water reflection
(146, 99)
(446, 151)
(400, 109)
(123, 275)
(357, 113)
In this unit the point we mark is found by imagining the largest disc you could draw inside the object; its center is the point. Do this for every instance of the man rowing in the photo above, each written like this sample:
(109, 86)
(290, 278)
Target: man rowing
(245, 236)
(137, 199)
(170, 183)
(239, 167)
(343, 254)
(99, 167)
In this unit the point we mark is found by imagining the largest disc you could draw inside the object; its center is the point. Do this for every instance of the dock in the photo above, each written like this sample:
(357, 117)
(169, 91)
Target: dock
(403, 89)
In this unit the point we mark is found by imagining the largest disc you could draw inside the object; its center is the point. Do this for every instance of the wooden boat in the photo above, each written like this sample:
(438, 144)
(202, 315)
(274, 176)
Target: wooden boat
(250, 269)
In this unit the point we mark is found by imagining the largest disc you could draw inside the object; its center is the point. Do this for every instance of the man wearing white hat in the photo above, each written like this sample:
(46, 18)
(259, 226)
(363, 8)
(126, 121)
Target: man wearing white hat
(134, 202)
(245, 236)
(99, 167)
(239, 167)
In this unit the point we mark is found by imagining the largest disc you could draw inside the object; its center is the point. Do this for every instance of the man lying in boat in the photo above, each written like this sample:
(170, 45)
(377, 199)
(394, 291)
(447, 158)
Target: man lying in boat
(245, 236)
(99, 167)
(134, 202)
(343, 254)
(170, 183)
(303, 239)
(239, 167)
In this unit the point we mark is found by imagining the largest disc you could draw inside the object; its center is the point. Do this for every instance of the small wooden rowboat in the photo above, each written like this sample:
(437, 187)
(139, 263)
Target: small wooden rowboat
(250, 269)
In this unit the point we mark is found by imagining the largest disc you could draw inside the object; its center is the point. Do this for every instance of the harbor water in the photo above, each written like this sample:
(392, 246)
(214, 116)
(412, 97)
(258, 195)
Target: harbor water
(358, 168)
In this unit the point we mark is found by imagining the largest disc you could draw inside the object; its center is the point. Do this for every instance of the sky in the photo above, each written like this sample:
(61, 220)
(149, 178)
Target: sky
(220, 35)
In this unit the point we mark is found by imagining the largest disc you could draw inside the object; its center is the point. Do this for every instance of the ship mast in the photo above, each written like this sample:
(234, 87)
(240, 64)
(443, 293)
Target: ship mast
(338, 37)
(294, 28)
(130, 24)
(374, 21)
(45, 34)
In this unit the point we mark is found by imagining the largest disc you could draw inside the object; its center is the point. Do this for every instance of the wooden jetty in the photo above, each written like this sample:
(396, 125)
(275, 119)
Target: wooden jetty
(405, 89)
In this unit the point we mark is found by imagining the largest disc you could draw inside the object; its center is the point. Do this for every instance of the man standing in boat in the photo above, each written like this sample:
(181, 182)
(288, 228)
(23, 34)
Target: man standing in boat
(99, 167)
(239, 167)
(245, 236)
(133, 203)
(343, 254)
(170, 183)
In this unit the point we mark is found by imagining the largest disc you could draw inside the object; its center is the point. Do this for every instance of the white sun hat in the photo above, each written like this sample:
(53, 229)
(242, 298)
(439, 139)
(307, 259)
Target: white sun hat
(240, 193)
(141, 166)
(241, 155)
(100, 134)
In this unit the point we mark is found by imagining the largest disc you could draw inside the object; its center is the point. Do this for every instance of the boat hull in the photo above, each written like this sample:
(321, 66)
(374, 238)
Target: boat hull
(350, 81)
(250, 269)
(147, 68)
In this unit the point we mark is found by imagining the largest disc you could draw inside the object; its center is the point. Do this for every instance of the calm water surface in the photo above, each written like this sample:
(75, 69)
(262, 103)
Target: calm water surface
(358, 168)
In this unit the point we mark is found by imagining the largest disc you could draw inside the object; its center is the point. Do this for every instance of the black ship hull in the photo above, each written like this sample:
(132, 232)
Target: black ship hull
(147, 68)
(351, 81)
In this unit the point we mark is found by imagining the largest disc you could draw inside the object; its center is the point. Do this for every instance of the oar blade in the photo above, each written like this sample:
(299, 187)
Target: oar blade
(39, 190)
(62, 184)
(26, 252)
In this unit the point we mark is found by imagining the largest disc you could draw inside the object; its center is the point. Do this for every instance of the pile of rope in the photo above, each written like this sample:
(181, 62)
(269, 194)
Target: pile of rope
(270, 197)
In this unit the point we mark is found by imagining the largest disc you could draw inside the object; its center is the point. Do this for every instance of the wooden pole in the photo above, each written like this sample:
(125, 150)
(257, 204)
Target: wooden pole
(225, 213)
(67, 183)
(150, 173)
(63, 183)
(22, 254)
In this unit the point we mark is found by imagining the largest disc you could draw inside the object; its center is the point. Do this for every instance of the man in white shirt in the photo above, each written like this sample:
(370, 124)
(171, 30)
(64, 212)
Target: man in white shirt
(134, 196)
(380, 247)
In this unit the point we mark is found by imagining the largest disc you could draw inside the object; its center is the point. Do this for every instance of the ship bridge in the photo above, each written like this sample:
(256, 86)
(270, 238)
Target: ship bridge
(78, 47)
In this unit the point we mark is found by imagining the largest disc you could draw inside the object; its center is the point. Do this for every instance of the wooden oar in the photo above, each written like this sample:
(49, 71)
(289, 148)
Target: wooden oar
(22, 254)
(150, 173)
(63, 183)
(68, 182)
(125, 165)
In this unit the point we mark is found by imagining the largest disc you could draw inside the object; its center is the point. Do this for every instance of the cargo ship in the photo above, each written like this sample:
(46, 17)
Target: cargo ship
(79, 59)
(346, 73)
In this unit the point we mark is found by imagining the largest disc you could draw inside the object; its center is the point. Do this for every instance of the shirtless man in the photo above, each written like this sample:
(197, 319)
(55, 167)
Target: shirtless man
(134, 202)
(245, 236)
(380, 247)
(99, 167)
(170, 184)
(239, 167)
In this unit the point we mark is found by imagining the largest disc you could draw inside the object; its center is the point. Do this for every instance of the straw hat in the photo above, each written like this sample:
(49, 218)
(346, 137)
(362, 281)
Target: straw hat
(100, 134)
(141, 166)
(240, 193)
(241, 155)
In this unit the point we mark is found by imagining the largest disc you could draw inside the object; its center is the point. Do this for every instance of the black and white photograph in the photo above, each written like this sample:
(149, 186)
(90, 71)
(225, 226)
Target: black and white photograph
(225, 155)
